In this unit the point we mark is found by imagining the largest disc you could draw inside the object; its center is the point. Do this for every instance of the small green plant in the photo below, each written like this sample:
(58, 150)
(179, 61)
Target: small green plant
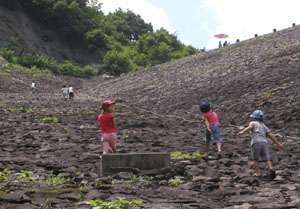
(120, 203)
(28, 110)
(299, 174)
(49, 120)
(3, 177)
(4, 74)
(5, 101)
(176, 155)
(12, 108)
(139, 180)
(176, 182)
(195, 155)
(90, 112)
(266, 95)
(56, 181)
(7, 171)
(47, 203)
(24, 174)
(130, 112)
(3, 189)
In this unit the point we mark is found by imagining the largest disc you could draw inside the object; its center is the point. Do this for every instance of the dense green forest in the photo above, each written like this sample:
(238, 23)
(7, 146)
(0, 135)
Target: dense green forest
(128, 42)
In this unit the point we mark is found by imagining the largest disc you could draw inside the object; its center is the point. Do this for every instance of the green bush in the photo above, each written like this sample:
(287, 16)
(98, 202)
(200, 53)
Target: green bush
(118, 62)
(7, 54)
(47, 36)
(40, 63)
(31, 60)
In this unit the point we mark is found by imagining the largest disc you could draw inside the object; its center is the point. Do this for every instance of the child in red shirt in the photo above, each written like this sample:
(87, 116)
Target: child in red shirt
(108, 127)
(212, 128)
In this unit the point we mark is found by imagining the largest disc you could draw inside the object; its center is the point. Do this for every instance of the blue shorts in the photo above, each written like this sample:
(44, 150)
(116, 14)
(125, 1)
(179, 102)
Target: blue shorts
(216, 133)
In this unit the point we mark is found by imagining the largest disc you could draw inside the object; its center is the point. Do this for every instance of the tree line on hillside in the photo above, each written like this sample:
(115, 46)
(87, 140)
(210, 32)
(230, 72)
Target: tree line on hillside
(39, 63)
(128, 41)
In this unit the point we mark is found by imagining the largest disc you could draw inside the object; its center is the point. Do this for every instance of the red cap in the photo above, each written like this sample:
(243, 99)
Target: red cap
(106, 102)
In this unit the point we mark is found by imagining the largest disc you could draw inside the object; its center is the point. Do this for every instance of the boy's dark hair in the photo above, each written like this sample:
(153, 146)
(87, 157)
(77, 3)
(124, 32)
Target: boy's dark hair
(204, 107)
(259, 119)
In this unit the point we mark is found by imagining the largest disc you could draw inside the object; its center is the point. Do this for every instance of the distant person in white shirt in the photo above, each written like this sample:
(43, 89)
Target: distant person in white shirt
(33, 86)
(71, 92)
(65, 91)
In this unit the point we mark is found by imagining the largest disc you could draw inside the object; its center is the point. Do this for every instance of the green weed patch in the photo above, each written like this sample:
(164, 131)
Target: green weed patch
(120, 203)
(49, 120)
(176, 181)
(180, 155)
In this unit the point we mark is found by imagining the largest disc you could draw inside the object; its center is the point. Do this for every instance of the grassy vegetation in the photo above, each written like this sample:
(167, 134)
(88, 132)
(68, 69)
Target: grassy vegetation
(135, 180)
(49, 120)
(4, 74)
(40, 64)
(56, 181)
(180, 155)
(176, 181)
(24, 174)
(90, 112)
(30, 179)
(266, 95)
(120, 203)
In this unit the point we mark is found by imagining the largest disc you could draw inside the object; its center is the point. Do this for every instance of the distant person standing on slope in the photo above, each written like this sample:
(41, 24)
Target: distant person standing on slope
(259, 143)
(33, 87)
(65, 91)
(71, 92)
(108, 127)
(211, 121)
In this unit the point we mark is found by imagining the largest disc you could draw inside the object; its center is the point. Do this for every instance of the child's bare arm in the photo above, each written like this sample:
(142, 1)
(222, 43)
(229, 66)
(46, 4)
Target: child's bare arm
(280, 146)
(249, 128)
(115, 124)
(207, 126)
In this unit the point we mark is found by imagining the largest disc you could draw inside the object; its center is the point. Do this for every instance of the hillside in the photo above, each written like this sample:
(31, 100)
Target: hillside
(78, 31)
(157, 110)
(19, 30)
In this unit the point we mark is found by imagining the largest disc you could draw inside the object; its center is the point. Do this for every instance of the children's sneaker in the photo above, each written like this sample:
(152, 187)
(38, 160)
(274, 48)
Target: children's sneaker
(256, 176)
(272, 174)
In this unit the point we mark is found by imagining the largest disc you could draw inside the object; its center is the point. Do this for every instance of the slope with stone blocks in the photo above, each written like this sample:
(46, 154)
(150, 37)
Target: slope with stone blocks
(157, 110)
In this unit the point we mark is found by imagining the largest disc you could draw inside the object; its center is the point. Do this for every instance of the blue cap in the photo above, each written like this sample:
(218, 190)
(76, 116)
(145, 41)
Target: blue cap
(258, 114)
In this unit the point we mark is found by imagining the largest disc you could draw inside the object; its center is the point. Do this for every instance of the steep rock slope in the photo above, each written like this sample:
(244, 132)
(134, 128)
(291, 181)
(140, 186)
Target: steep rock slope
(258, 73)
(157, 110)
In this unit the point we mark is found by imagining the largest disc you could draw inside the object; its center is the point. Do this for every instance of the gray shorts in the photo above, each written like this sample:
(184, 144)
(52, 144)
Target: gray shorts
(260, 151)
